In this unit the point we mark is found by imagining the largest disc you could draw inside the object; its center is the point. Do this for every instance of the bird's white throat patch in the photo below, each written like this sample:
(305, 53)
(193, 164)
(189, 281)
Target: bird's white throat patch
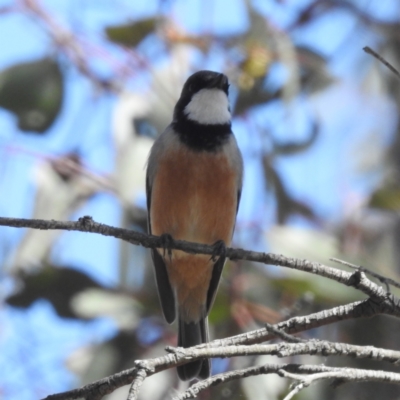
(209, 106)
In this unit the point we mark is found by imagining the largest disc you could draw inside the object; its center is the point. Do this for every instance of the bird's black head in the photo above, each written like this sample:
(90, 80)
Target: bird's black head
(202, 117)
(204, 99)
(205, 80)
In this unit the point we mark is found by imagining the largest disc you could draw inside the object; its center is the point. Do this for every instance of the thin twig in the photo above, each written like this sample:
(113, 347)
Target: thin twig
(368, 50)
(215, 380)
(350, 374)
(179, 356)
(342, 374)
(137, 383)
(282, 334)
(383, 279)
(358, 309)
(295, 390)
(67, 41)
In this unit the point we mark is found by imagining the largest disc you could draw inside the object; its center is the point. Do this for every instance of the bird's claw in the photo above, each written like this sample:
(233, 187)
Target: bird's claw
(219, 250)
(167, 242)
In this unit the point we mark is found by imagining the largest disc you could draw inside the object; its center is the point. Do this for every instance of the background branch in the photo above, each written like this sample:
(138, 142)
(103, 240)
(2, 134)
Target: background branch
(368, 50)
(213, 349)
(288, 370)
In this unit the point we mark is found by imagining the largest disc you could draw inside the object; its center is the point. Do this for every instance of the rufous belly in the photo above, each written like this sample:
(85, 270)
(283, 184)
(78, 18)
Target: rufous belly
(194, 198)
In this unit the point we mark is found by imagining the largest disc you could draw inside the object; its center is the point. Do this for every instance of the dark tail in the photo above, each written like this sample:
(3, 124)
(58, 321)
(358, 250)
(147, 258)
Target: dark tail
(192, 334)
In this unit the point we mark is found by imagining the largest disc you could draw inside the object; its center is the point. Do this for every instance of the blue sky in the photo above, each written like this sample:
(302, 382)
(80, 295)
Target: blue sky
(324, 175)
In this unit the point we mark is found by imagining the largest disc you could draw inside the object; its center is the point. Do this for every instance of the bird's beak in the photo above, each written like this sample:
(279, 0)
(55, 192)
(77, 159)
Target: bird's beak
(219, 82)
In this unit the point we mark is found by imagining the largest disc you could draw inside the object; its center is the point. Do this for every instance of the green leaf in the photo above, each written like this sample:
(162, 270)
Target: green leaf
(133, 33)
(33, 91)
(386, 199)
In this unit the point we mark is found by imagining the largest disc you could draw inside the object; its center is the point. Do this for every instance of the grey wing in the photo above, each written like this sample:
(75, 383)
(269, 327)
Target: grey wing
(165, 293)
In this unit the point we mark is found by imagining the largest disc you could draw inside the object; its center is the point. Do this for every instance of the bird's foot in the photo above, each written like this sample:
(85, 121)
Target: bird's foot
(219, 250)
(167, 242)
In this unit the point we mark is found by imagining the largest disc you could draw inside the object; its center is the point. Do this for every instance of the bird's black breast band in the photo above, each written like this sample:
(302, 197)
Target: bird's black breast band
(202, 137)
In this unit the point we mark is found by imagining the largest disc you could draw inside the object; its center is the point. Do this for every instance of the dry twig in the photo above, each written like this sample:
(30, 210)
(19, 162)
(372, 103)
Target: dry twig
(386, 281)
(368, 50)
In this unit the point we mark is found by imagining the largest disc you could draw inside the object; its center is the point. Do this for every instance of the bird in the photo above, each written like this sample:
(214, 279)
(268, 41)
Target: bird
(193, 184)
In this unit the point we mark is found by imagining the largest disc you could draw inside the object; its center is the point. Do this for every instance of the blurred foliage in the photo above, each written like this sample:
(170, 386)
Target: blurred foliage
(157, 54)
(58, 285)
(386, 198)
(287, 205)
(33, 91)
(131, 34)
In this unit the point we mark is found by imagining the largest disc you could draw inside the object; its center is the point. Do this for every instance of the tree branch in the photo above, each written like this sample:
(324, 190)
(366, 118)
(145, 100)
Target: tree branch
(282, 334)
(137, 383)
(379, 302)
(311, 347)
(87, 224)
(342, 374)
(287, 370)
(359, 309)
(386, 281)
(230, 347)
